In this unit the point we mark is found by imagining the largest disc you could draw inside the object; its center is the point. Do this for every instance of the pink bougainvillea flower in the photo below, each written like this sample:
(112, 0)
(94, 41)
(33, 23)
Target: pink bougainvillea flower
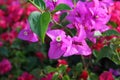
(57, 37)
(93, 16)
(60, 44)
(27, 34)
(99, 15)
(106, 76)
(26, 76)
(78, 14)
(82, 48)
(79, 45)
(71, 50)
(5, 66)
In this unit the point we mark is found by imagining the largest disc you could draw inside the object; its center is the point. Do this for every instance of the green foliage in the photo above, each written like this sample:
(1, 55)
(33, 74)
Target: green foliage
(40, 3)
(66, 77)
(34, 20)
(39, 23)
(111, 32)
(44, 22)
(61, 7)
(104, 52)
(55, 76)
(4, 51)
(62, 17)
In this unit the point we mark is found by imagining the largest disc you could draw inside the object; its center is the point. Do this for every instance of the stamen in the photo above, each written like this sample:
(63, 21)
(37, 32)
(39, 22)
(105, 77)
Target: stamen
(58, 38)
(54, 0)
(25, 33)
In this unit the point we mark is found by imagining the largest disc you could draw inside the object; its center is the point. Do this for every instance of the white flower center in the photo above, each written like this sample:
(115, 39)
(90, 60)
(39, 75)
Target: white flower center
(97, 33)
(58, 38)
(54, 0)
(96, 16)
(25, 33)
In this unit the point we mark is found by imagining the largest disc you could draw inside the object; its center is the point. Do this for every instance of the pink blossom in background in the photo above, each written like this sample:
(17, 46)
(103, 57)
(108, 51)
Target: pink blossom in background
(62, 62)
(115, 12)
(3, 23)
(1, 43)
(40, 56)
(118, 29)
(9, 36)
(5, 66)
(17, 10)
(84, 75)
(106, 76)
(26, 76)
(30, 8)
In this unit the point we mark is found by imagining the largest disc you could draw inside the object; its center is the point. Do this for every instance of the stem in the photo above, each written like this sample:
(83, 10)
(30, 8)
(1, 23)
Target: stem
(62, 27)
(69, 31)
(84, 63)
(117, 55)
(36, 6)
(74, 1)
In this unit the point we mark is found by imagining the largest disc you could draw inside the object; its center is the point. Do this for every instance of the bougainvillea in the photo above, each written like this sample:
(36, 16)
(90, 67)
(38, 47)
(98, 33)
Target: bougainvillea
(59, 40)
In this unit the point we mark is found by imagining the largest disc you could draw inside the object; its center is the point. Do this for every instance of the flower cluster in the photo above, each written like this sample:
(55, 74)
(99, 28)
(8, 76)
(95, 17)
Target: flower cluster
(12, 18)
(5, 66)
(26, 76)
(115, 14)
(89, 22)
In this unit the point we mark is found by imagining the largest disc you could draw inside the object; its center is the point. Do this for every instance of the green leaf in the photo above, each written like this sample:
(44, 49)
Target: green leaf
(63, 16)
(39, 23)
(114, 25)
(62, 68)
(36, 72)
(66, 77)
(79, 67)
(61, 7)
(104, 52)
(40, 3)
(4, 52)
(55, 76)
(44, 22)
(111, 32)
(116, 59)
(50, 69)
(92, 76)
(31, 63)
(34, 20)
